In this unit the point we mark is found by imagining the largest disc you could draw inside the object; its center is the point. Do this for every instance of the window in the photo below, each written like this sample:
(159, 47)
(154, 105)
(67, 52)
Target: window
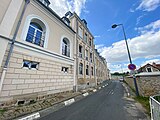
(65, 69)
(149, 69)
(92, 71)
(85, 37)
(87, 70)
(30, 64)
(80, 32)
(90, 42)
(66, 47)
(36, 31)
(91, 57)
(80, 51)
(35, 34)
(86, 54)
(81, 68)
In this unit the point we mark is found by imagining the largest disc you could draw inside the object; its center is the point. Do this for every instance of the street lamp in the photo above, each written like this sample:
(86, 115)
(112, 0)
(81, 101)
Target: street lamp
(134, 78)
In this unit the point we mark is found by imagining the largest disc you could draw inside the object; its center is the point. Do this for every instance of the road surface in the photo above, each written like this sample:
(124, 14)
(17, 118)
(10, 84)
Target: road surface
(108, 103)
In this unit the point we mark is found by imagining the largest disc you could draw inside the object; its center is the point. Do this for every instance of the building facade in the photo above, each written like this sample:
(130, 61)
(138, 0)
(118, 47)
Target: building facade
(42, 54)
(41, 62)
(91, 68)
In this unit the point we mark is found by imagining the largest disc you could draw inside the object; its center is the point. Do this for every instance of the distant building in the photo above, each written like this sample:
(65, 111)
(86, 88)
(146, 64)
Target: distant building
(91, 68)
(149, 68)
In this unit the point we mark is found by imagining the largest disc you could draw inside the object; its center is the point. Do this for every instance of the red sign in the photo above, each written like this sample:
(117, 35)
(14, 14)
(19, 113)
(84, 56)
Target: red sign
(132, 66)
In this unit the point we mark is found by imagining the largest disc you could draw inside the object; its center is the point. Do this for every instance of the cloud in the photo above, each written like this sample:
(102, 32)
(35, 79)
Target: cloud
(148, 5)
(144, 46)
(139, 19)
(152, 28)
(97, 36)
(63, 6)
(150, 61)
(131, 10)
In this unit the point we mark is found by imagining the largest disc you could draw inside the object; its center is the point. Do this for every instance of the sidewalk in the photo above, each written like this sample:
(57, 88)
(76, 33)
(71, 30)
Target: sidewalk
(131, 96)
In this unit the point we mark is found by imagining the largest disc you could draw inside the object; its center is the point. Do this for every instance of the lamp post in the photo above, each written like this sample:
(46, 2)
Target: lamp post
(129, 55)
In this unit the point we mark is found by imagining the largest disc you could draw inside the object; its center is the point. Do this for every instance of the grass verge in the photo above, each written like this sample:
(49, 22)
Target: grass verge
(2, 111)
(143, 100)
(145, 103)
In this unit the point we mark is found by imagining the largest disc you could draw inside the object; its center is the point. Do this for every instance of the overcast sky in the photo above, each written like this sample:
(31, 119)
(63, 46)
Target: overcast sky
(141, 19)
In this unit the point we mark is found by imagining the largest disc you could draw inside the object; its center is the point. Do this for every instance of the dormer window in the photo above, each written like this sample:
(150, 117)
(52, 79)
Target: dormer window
(66, 20)
(45, 2)
(149, 69)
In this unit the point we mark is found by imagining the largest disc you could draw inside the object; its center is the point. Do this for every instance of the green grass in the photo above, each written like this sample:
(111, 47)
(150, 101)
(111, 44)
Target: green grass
(145, 103)
(2, 111)
(143, 100)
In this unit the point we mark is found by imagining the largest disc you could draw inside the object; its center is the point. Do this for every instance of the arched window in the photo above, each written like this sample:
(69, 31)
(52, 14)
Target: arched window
(36, 32)
(66, 47)
(81, 68)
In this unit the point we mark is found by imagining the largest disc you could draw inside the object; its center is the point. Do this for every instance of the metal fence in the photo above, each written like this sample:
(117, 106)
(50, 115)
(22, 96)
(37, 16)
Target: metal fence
(155, 107)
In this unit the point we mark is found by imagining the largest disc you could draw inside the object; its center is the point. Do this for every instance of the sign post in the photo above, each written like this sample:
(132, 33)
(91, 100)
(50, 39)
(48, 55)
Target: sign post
(132, 67)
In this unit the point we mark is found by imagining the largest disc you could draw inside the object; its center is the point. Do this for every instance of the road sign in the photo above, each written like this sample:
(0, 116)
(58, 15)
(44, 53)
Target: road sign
(132, 66)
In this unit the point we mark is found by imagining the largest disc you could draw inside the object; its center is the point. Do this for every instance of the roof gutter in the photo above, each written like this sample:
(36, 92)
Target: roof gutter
(12, 44)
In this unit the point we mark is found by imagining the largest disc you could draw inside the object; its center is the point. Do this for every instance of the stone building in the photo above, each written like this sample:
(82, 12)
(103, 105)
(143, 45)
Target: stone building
(42, 60)
(91, 68)
(41, 53)
(102, 73)
(148, 79)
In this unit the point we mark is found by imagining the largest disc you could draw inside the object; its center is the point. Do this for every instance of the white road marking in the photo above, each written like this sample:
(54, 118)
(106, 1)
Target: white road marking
(70, 101)
(31, 117)
(86, 94)
(94, 90)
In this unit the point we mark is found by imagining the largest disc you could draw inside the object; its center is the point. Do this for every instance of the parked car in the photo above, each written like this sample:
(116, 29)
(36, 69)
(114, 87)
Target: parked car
(121, 79)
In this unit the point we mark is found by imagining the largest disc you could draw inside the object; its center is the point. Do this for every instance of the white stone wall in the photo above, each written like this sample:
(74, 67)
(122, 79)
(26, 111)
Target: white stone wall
(48, 79)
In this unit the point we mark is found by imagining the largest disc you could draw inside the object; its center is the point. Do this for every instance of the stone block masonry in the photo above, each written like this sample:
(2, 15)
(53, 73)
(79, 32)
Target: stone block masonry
(147, 85)
(48, 78)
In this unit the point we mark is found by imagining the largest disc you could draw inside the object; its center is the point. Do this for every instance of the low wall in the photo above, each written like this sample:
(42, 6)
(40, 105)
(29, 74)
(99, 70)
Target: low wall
(147, 85)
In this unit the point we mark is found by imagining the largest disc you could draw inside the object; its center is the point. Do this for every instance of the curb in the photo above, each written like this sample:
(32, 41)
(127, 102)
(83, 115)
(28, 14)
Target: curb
(126, 89)
(85, 94)
(31, 117)
(68, 102)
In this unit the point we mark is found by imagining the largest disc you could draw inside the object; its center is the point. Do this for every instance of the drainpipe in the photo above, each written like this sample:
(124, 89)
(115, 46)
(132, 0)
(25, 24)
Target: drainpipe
(77, 54)
(95, 70)
(12, 44)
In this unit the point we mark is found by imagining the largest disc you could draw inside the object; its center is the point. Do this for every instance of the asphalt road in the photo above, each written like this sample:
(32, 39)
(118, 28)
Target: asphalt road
(108, 103)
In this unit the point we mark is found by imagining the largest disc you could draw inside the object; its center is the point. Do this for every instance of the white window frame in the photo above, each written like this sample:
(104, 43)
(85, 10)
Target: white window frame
(87, 69)
(150, 68)
(65, 69)
(34, 35)
(29, 65)
(70, 46)
(81, 68)
(27, 24)
(87, 54)
(80, 53)
(92, 71)
(80, 32)
(86, 37)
